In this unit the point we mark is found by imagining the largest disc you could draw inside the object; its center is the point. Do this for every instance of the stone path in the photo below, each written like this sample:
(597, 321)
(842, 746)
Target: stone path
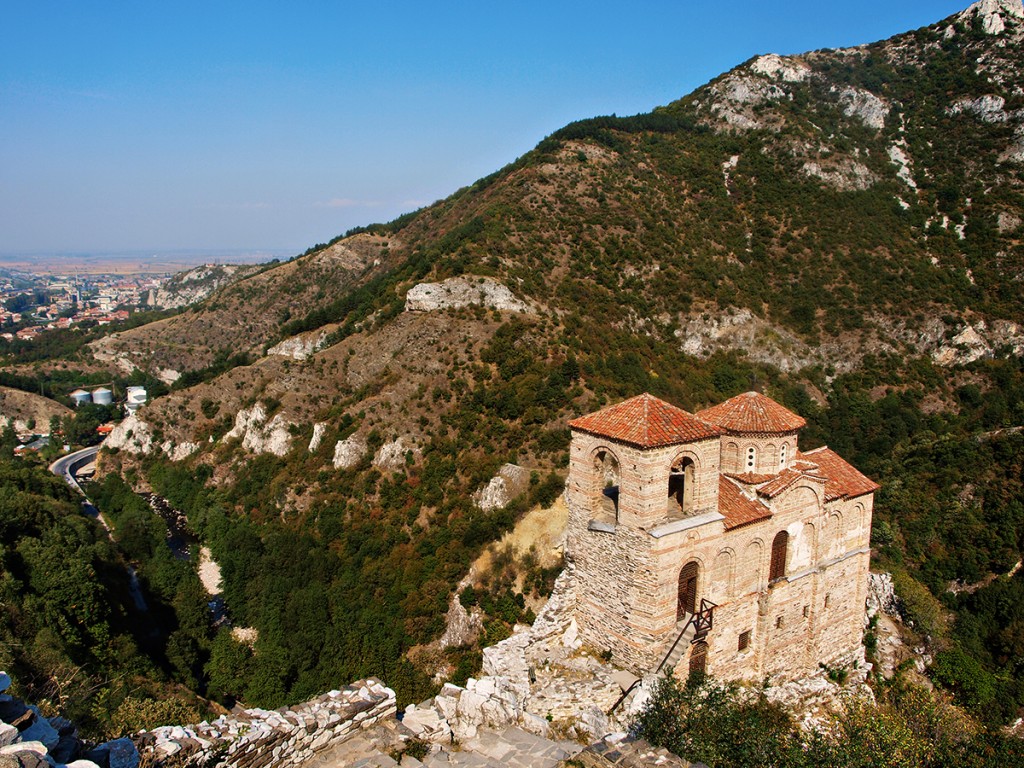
(507, 748)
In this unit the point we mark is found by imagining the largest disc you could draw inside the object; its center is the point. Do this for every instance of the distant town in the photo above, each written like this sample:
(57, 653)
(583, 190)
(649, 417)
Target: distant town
(36, 302)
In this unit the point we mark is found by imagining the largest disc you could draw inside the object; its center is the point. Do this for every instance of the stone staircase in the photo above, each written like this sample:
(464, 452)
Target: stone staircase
(677, 652)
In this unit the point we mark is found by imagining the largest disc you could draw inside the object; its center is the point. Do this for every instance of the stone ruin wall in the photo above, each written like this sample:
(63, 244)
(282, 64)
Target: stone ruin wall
(249, 738)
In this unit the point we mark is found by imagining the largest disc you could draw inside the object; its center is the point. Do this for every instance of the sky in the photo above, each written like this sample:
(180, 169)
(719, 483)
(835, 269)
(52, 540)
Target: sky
(258, 126)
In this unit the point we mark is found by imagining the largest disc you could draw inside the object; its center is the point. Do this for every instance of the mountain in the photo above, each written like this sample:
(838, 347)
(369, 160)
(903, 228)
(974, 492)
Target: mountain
(840, 228)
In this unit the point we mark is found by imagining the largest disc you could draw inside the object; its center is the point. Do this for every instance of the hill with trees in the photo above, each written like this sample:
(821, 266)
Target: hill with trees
(840, 229)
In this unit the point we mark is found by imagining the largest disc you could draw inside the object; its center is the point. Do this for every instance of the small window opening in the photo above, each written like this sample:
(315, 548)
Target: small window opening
(807, 611)
(744, 641)
(827, 600)
(778, 622)
(751, 458)
(782, 456)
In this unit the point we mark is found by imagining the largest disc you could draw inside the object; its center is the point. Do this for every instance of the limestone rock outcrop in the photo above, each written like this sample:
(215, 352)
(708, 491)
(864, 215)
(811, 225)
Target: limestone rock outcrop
(299, 347)
(510, 481)
(257, 434)
(463, 291)
(348, 452)
(133, 435)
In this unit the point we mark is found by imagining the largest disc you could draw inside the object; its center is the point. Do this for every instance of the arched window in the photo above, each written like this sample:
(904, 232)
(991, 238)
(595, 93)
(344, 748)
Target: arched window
(778, 566)
(751, 458)
(680, 485)
(606, 470)
(782, 456)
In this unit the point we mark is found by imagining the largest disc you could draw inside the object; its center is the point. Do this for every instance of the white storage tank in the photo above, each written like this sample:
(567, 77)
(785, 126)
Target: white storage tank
(102, 396)
(136, 395)
(80, 397)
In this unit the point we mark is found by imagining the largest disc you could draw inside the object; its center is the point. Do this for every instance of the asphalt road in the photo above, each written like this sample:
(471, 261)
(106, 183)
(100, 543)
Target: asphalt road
(66, 466)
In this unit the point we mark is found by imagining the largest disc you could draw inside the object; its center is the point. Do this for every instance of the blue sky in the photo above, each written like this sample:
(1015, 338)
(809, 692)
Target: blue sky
(257, 125)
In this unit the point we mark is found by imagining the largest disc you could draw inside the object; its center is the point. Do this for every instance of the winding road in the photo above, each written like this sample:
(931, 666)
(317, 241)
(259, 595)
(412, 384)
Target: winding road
(67, 466)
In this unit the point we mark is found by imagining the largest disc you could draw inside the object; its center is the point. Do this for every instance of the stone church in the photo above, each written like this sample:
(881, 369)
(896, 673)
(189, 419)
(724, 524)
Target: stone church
(711, 542)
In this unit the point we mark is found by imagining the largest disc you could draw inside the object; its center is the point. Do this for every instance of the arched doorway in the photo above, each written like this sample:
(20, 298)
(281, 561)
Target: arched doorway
(687, 599)
(699, 659)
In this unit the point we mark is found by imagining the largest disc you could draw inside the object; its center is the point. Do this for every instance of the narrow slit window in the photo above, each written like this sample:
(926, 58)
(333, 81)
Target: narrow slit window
(751, 458)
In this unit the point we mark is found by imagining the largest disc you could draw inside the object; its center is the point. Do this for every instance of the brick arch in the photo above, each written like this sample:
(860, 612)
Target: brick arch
(753, 554)
(698, 659)
(604, 481)
(836, 535)
(731, 455)
(722, 574)
(682, 481)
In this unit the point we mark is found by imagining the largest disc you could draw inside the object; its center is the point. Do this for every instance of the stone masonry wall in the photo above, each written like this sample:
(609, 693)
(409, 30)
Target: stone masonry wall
(255, 738)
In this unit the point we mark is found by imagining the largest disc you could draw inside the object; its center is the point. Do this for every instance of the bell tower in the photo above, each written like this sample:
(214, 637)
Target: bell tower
(635, 468)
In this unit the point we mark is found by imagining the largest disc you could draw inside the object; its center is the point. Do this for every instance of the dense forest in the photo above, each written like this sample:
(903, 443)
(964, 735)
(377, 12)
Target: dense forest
(71, 634)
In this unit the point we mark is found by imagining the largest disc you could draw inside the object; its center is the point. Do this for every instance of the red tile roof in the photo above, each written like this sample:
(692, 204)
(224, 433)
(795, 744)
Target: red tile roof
(646, 422)
(841, 479)
(779, 483)
(750, 478)
(752, 412)
(737, 508)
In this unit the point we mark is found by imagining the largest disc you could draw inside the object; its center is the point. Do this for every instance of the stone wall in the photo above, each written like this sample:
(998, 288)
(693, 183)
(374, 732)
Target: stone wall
(254, 738)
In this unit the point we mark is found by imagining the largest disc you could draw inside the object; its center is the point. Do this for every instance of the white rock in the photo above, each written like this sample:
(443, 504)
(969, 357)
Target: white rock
(348, 452)
(24, 746)
(865, 106)
(510, 481)
(901, 160)
(132, 435)
(987, 108)
(299, 347)
(391, 455)
(1007, 222)
(179, 451)
(463, 291)
(318, 434)
(571, 635)
(257, 435)
(168, 375)
(993, 14)
(8, 733)
(843, 174)
(775, 66)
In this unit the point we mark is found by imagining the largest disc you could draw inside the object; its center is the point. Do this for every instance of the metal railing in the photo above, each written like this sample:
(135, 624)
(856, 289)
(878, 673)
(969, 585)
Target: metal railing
(702, 621)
